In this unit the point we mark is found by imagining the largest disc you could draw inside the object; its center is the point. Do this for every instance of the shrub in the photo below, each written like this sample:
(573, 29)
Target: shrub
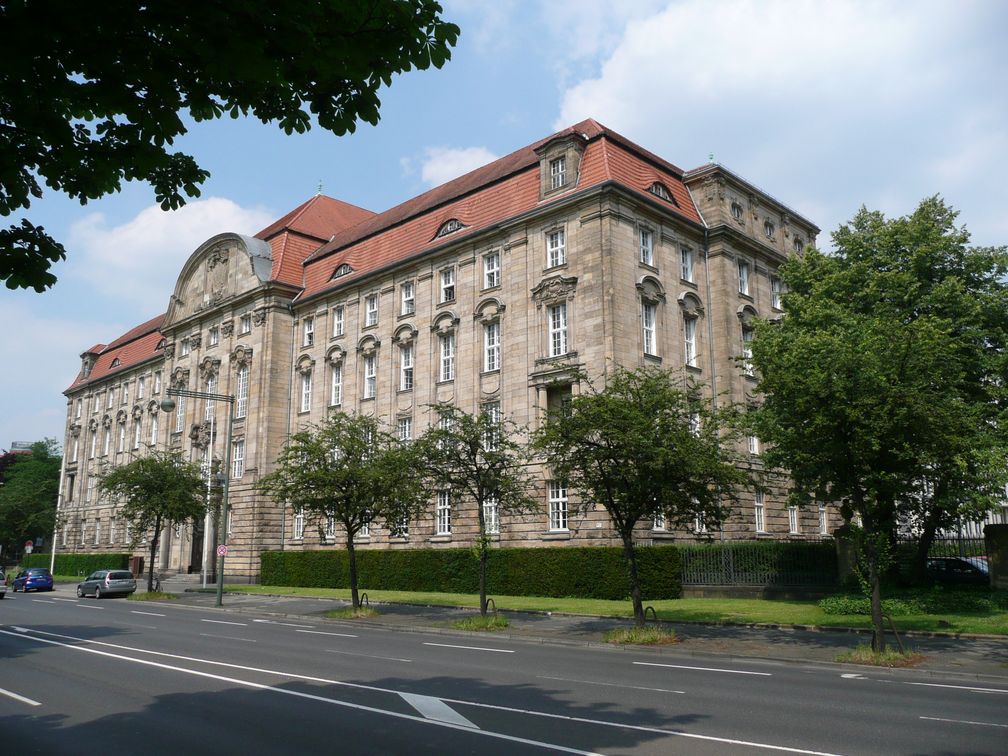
(75, 564)
(923, 601)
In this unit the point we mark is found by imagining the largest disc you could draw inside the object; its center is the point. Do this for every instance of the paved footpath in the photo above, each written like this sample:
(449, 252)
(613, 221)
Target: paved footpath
(981, 657)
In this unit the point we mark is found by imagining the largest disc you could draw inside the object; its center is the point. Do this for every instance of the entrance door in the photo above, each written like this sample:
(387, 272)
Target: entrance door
(196, 553)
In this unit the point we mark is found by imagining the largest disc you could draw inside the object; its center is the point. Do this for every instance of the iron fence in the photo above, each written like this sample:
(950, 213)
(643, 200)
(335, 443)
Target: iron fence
(760, 563)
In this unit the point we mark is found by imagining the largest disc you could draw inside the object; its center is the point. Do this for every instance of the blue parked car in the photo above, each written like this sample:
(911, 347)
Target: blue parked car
(33, 579)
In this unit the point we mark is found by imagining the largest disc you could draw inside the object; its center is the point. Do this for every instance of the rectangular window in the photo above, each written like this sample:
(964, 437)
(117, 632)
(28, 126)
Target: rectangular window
(89, 491)
(83, 530)
(125, 393)
(76, 448)
(406, 367)
(211, 405)
(775, 292)
(754, 445)
(491, 516)
(557, 506)
(97, 530)
(112, 530)
(238, 459)
(245, 324)
(399, 529)
(447, 344)
(491, 270)
(370, 376)
(689, 339)
(647, 246)
(686, 264)
(558, 330)
(308, 331)
(180, 414)
(700, 523)
(338, 320)
(110, 398)
(136, 433)
(330, 528)
(141, 385)
(94, 443)
(558, 172)
(648, 317)
(371, 310)
(305, 392)
(747, 337)
(659, 521)
(157, 382)
(556, 248)
(153, 429)
(448, 285)
(230, 522)
(65, 535)
(743, 277)
(760, 513)
(823, 520)
(405, 428)
(185, 347)
(407, 298)
(491, 346)
(299, 525)
(493, 412)
(443, 522)
(242, 391)
(80, 404)
(792, 516)
(336, 385)
(70, 479)
(213, 336)
(106, 441)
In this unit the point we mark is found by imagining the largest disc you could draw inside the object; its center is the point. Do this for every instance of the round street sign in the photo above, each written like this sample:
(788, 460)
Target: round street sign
(28, 547)
(222, 550)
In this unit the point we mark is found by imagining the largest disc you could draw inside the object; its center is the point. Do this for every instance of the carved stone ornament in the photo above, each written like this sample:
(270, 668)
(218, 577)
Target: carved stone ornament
(335, 355)
(121, 417)
(445, 323)
(650, 289)
(169, 350)
(199, 434)
(368, 345)
(754, 206)
(106, 422)
(714, 187)
(227, 328)
(137, 411)
(305, 365)
(554, 289)
(242, 355)
(746, 315)
(404, 335)
(195, 340)
(259, 317)
(209, 367)
(153, 407)
(217, 257)
(690, 303)
(489, 311)
(75, 430)
(92, 425)
(179, 377)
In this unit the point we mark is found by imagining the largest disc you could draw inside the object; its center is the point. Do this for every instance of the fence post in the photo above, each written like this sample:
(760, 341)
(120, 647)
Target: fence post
(996, 540)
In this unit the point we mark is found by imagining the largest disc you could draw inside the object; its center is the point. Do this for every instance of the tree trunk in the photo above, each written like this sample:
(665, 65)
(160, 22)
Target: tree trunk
(630, 555)
(874, 583)
(354, 599)
(153, 550)
(482, 576)
(932, 520)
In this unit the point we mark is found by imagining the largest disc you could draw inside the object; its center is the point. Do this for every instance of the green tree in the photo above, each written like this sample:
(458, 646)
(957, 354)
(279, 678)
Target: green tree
(157, 491)
(883, 384)
(642, 447)
(92, 96)
(484, 460)
(350, 469)
(29, 487)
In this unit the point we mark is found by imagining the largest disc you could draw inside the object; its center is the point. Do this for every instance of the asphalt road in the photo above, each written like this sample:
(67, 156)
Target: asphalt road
(121, 677)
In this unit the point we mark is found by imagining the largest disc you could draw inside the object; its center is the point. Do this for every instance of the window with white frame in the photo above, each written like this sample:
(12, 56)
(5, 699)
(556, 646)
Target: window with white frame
(180, 414)
(760, 511)
(65, 535)
(211, 405)
(94, 444)
(238, 458)
(153, 430)
(557, 329)
(338, 320)
(136, 433)
(80, 406)
(799, 244)
(336, 384)
(298, 524)
(646, 238)
(245, 324)
(306, 380)
(659, 521)
(89, 488)
(308, 331)
(491, 346)
(747, 337)
(448, 285)
(370, 376)
(823, 520)
(157, 381)
(141, 386)
(83, 530)
(371, 310)
(491, 515)
(686, 264)
(184, 346)
(443, 514)
(446, 343)
(97, 530)
(125, 393)
(700, 523)
(775, 292)
(754, 445)
(648, 319)
(121, 445)
(330, 528)
(230, 522)
(213, 336)
(694, 423)
(558, 172)
(404, 426)
(556, 248)
(557, 505)
(76, 449)
(743, 277)
(793, 523)
(365, 530)
(493, 412)
(242, 391)
(491, 270)
(689, 340)
(110, 397)
(112, 530)
(106, 441)
(407, 299)
(405, 367)
(769, 229)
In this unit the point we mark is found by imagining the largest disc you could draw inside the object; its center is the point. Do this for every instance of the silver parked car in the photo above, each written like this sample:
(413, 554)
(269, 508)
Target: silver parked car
(107, 583)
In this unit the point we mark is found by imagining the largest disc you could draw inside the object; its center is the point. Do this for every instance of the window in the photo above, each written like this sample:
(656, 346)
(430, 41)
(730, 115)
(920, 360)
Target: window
(180, 414)
(330, 527)
(404, 426)
(370, 376)
(298, 524)
(95, 403)
(647, 246)
(153, 429)
(157, 382)
(111, 397)
(491, 346)
(792, 517)
(343, 269)
(76, 448)
(136, 433)
(213, 336)
(97, 530)
(406, 367)
(659, 521)
(754, 445)
(83, 530)
(141, 385)
(242, 391)
(686, 266)
(336, 385)
(245, 324)
(443, 521)
(371, 310)
(736, 211)
(556, 248)
(689, 340)
(768, 229)
(558, 330)
(823, 520)
(491, 515)
(450, 226)
(125, 393)
(557, 506)
(700, 523)
(306, 391)
(447, 344)
(230, 522)
(760, 513)
(399, 529)
(799, 244)
(238, 459)
(407, 299)
(694, 423)
(747, 337)
(107, 441)
(448, 285)
(70, 479)
(659, 189)
(308, 331)
(337, 320)
(79, 407)
(89, 491)
(558, 172)
(94, 443)
(493, 412)
(185, 347)
(112, 530)
(121, 445)
(648, 316)
(64, 537)
(364, 531)
(491, 270)
(743, 277)
(211, 405)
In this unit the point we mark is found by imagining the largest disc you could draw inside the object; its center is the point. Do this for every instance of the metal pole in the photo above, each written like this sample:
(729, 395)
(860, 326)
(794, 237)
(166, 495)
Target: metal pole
(206, 517)
(224, 502)
(59, 502)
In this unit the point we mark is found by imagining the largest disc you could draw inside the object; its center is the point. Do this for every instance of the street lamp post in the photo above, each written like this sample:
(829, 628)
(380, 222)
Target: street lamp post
(168, 405)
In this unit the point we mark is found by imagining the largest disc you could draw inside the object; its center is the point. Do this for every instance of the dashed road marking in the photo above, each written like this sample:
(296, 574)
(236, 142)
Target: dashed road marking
(965, 721)
(16, 697)
(472, 648)
(705, 669)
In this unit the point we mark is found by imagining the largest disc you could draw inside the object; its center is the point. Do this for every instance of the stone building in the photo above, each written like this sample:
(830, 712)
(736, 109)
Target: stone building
(575, 253)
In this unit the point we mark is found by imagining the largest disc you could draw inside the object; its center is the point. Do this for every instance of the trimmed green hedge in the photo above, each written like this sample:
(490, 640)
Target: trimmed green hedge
(74, 564)
(570, 572)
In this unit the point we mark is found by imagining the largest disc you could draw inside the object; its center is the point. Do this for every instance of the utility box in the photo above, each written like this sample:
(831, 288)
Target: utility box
(136, 566)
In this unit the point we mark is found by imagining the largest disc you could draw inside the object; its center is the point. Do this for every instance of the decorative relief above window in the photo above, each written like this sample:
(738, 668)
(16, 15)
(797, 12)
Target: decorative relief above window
(450, 226)
(557, 287)
(242, 355)
(180, 377)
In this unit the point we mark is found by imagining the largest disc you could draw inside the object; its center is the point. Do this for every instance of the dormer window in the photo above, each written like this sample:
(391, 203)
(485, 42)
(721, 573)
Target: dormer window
(115, 362)
(160, 344)
(343, 269)
(450, 226)
(658, 189)
(558, 172)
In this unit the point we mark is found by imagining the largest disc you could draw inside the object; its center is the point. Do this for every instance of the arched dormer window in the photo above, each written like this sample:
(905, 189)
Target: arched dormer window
(115, 362)
(658, 189)
(342, 269)
(160, 344)
(450, 226)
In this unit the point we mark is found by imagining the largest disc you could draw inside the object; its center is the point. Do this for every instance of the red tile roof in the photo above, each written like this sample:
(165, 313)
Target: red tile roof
(133, 347)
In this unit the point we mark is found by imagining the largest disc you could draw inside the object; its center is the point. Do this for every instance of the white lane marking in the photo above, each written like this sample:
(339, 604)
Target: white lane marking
(73, 601)
(311, 697)
(705, 669)
(471, 648)
(149, 614)
(16, 697)
(319, 632)
(961, 687)
(611, 685)
(43, 601)
(225, 622)
(284, 624)
(852, 676)
(227, 637)
(965, 721)
(88, 606)
(368, 656)
(436, 709)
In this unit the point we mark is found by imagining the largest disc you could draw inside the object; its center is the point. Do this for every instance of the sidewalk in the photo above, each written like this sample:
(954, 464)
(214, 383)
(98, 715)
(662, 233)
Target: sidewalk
(973, 657)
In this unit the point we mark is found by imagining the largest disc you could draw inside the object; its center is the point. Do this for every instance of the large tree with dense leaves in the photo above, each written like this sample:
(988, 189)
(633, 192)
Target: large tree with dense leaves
(92, 95)
(348, 468)
(29, 486)
(883, 385)
(643, 446)
(156, 491)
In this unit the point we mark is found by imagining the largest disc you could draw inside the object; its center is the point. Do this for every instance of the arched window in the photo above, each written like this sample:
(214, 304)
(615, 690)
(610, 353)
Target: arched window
(342, 270)
(450, 226)
(658, 189)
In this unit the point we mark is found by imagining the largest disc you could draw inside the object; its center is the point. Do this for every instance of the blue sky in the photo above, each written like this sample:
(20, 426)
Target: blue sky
(825, 105)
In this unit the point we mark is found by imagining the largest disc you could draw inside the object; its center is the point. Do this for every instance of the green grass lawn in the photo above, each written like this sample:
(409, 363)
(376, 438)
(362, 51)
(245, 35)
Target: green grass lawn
(762, 611)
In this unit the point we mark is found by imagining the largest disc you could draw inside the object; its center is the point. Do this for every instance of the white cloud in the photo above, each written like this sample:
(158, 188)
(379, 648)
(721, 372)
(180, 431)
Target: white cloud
(441, 164)
(139, 260)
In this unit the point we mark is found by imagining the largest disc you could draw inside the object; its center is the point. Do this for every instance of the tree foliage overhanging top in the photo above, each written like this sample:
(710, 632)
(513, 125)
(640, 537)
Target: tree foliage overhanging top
(94, 95)
(29, 486)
